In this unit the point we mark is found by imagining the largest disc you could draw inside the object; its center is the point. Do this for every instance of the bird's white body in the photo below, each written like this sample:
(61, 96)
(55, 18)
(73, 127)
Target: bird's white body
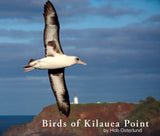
(59, 61)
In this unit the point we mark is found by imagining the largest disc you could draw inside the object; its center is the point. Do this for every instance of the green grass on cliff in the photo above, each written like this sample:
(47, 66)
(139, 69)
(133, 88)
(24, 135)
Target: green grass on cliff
(145, 110)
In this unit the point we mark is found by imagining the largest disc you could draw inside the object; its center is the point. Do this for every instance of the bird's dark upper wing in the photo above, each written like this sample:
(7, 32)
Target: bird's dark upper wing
(51, 31)
(59, 88)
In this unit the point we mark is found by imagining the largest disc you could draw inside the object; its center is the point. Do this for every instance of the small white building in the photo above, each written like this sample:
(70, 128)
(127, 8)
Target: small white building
(75, 99)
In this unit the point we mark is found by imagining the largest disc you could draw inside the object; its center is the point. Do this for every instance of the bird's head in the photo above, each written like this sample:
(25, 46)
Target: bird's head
(78, 61)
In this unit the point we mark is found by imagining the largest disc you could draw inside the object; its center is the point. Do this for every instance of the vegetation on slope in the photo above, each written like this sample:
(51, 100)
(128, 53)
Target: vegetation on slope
(147, 110)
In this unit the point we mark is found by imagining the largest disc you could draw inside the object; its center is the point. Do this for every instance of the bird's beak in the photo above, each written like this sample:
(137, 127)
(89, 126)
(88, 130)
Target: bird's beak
(81, 62)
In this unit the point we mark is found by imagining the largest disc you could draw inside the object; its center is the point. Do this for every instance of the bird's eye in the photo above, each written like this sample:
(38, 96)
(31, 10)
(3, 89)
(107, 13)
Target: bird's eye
(77, 59)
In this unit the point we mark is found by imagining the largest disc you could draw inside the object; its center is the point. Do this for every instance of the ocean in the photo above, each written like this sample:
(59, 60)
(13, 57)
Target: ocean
(8, 121)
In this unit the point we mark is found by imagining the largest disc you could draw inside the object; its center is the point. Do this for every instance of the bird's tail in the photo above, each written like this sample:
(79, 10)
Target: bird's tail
(29, 67)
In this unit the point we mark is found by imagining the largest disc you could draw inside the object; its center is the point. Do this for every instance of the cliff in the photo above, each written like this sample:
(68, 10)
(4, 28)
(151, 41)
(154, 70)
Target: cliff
(85, 119)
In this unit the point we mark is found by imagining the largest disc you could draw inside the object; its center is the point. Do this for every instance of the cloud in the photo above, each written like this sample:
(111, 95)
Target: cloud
(111, 11)
(20, 34)
(106, 42)
(18, 8)
(97, 38)
(66, 9)
(153, 20)
(126, 38)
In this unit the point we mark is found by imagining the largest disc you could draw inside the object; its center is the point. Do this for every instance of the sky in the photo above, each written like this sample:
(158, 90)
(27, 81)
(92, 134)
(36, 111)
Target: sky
(119, 40)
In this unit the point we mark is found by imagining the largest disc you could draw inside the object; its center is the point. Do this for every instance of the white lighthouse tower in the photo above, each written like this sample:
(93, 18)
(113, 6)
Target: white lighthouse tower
(75, 99)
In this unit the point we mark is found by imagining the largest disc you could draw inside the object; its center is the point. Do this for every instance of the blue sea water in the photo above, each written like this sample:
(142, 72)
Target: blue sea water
(8, 121)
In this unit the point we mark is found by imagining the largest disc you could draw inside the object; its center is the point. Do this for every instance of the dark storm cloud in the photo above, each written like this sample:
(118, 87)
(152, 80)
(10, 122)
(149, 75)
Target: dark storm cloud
(20, 34)
(151, 21)
(19, 9)
(111, 11)
(123, 52)
(111, 39)
(127, 37)
(96, 37)
(154, 19)
(114, 50)
(31, 9)
(85, 9)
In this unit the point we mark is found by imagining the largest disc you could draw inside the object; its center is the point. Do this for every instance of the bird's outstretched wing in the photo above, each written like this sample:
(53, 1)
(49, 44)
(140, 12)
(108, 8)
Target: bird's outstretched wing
(51, 31)
(52, 48)
(60, 90)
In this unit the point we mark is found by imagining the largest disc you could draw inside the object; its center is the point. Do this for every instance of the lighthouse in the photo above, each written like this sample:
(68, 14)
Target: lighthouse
(75, 99)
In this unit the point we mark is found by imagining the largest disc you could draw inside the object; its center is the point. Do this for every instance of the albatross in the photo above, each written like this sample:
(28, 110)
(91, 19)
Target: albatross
(55, 60)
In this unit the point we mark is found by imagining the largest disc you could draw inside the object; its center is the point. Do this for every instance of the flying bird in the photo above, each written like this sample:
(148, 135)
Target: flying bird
(55, 60)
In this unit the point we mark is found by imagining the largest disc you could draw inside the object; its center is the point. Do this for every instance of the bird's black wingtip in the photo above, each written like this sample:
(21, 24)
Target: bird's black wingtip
(48, 2)
(66, 112)
(48, 8)
(67, 115)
